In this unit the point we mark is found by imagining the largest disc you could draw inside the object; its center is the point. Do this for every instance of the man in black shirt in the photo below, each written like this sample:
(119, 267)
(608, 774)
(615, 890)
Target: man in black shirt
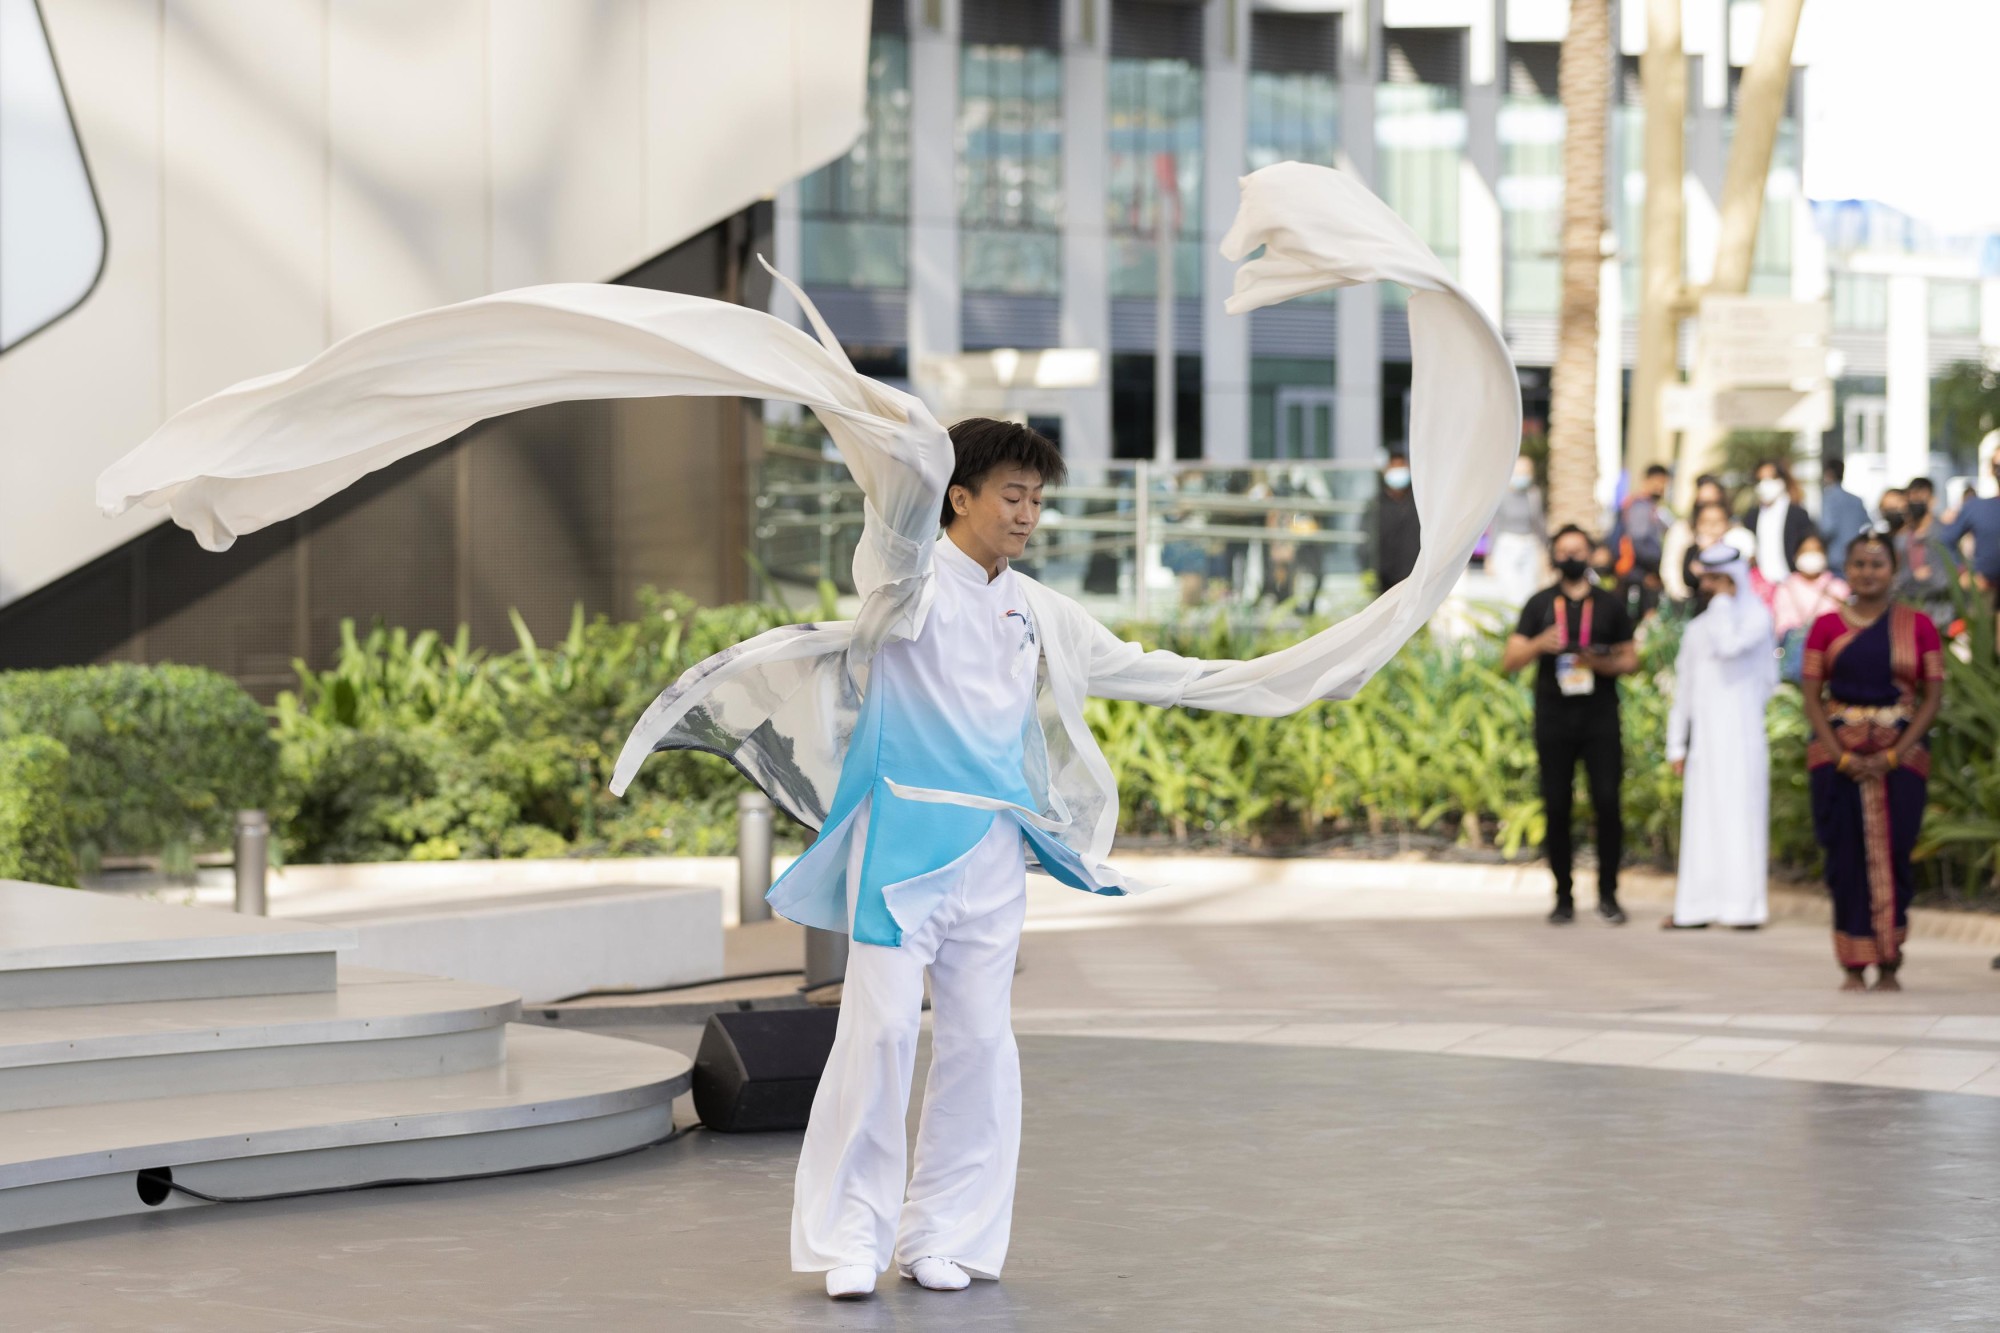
(1394, 528)
(1580, 638)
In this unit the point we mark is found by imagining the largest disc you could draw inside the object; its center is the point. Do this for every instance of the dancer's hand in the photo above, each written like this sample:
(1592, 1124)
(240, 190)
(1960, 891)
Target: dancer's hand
(1680, 767)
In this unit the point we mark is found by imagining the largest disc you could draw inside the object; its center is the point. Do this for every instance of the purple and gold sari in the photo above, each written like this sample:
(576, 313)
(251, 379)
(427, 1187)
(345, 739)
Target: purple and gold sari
(1874, 675)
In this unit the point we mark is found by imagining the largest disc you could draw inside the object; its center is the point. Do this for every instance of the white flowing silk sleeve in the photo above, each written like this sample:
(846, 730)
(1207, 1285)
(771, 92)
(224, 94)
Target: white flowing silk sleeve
(269, 448)
(1321, 229)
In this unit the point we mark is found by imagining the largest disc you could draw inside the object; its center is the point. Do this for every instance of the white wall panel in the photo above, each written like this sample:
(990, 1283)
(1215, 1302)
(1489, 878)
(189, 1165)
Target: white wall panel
(406, 111)
(243, 129)
(829, 46)
(692, 81)
(568, 123)
(89, 386)
(275, 174)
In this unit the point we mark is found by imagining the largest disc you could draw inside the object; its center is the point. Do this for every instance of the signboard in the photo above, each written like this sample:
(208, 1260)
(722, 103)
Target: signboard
(1750, 342)
(1693, 407)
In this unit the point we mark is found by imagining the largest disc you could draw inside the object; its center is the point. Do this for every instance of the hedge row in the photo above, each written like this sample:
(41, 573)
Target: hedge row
(413, 747)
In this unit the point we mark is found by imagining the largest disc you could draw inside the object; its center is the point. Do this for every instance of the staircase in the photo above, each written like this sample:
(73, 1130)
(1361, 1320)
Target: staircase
(147, 1049)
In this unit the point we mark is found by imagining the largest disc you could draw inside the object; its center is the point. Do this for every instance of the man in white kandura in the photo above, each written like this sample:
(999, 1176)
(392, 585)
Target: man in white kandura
(1724, 675)
(937, 742)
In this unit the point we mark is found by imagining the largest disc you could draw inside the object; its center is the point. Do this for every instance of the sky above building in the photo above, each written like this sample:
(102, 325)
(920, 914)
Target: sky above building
(1901, 102)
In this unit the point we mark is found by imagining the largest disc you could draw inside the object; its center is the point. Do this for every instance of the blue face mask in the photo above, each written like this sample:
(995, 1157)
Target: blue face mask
(1396, 478)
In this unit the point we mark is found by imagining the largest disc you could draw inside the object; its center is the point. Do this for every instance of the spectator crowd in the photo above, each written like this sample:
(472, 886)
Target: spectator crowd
(1768, 592)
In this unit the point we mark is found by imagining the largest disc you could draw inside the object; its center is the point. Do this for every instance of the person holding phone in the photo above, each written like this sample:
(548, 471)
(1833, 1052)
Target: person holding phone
(1579, 638)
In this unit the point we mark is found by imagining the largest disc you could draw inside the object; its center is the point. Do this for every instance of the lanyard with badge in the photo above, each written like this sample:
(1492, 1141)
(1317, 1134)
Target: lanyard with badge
(1573, 677)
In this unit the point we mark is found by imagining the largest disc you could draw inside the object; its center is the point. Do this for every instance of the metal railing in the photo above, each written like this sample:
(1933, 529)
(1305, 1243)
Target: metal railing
(1130, 537)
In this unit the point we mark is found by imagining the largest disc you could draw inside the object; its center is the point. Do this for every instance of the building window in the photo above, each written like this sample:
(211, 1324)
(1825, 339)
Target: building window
(1292, 407)
(51, 233)
(1954, 307)
(1294, 93)
(1420, 136)
(1860, 301)
(1531, 179)
(854, 213)
(1628, 197)
(1154, 162)
(1010, 148)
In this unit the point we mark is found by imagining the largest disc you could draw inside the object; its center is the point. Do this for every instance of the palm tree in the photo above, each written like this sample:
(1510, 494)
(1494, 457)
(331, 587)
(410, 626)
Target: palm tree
(1584, 84)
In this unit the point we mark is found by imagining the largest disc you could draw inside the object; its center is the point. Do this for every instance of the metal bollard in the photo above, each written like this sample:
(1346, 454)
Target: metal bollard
(253, 859)
(753, 856)
(826, 958)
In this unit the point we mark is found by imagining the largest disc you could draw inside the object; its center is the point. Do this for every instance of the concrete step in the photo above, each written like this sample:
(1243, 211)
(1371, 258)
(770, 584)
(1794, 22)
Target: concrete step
(377, 1026)
(64, 947)
(558, 1097)
(550, 945)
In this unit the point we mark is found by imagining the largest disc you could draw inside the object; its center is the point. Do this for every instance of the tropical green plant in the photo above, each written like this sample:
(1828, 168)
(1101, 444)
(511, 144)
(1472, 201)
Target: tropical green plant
(161, 757)
(1964, 821)
(34, 825)
(417, 746)
(1965, 406)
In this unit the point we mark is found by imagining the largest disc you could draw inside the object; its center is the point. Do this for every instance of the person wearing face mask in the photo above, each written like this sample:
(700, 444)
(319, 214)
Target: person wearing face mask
(1891, 508)
(1924, 566)
(1519, 536)
(1810, 592)
(1394, 530)
(1682, 544)
(1712, 524)
(1723, 677)
(1579, 639)
(1781, 524)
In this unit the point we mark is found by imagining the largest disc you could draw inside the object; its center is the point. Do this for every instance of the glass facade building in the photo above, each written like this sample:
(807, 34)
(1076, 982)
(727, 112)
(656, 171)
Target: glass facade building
(1072, 128)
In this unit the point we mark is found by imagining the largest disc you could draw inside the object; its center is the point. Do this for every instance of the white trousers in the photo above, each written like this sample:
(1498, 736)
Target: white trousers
(848, 1202)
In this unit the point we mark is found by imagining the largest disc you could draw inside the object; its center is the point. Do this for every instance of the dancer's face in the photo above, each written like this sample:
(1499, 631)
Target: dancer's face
(997, 519)
(1870, 569)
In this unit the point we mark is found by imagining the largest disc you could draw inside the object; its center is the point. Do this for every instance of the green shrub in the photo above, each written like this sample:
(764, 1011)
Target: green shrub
(34, 834)
(161, 757)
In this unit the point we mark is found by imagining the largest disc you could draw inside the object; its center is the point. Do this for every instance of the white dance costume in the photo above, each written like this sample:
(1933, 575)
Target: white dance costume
(937, 741)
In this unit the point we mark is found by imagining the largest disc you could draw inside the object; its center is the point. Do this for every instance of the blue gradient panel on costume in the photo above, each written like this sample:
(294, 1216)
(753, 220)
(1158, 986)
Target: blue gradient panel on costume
(903, 739)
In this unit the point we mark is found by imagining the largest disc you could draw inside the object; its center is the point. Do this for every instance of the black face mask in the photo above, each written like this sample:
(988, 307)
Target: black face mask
(1572, 569)
(1917, 509)
(1894, 518)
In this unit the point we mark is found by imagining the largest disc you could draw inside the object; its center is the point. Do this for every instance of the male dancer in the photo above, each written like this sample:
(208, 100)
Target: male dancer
(938, 739)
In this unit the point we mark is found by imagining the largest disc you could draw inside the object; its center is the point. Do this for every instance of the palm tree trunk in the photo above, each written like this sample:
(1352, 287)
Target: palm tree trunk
(1584, 83)
(1662, 288)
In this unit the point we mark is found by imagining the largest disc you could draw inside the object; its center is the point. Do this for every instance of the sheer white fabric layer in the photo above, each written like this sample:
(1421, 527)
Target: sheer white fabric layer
(782, 705)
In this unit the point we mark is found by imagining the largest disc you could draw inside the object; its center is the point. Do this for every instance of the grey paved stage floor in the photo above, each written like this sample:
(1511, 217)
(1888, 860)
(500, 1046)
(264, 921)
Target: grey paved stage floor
(1170, 1183)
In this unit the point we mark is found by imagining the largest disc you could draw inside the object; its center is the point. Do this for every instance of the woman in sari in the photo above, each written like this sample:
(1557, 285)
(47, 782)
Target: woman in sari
(1873, 678)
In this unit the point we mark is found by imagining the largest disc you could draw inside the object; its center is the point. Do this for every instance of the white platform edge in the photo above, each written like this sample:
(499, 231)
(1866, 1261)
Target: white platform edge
(480, 1007)
(671, 1074)
(100, 931)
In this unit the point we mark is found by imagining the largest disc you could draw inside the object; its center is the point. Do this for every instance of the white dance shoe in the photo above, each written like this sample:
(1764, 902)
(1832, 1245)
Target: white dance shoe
(850, 1282)
(935, 1274)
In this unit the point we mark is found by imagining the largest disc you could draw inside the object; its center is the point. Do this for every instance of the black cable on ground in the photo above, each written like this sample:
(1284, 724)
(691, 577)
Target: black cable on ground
(669, 990)
(166, 1180)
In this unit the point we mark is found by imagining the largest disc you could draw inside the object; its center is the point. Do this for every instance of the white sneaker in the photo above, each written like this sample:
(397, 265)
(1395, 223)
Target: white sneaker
(850, 1282)
(935, 1274)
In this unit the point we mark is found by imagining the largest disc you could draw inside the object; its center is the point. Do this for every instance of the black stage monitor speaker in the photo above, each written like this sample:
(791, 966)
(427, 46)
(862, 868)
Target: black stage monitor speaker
(759, 1069)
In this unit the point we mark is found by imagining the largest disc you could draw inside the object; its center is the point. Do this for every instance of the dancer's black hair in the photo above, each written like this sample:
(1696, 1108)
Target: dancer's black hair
(982, 444)
(1874, 537)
